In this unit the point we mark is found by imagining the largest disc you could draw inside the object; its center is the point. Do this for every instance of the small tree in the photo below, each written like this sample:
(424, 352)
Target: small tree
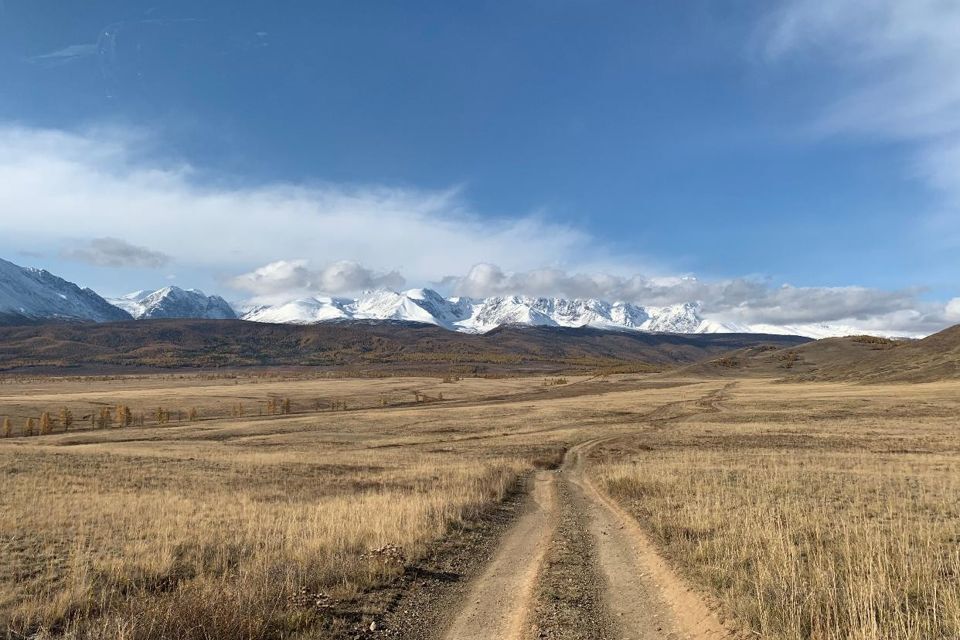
(28, 429)
(271, 406)
(66, 418)
(105, 419)
(285, 407)
(124, 416)
(46, 424)
(7, 428)
(193, 415)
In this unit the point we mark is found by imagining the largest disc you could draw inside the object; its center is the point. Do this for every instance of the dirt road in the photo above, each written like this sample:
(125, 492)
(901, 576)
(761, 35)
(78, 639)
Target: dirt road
(578, 567)
(498, 602)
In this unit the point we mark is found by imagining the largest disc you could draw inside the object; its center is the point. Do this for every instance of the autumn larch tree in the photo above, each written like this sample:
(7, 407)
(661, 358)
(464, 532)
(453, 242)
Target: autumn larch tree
(46, 425)
(66, 418)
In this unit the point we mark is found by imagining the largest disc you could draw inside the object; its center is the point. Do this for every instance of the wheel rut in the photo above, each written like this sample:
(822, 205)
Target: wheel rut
(643, 598)
(498, 603)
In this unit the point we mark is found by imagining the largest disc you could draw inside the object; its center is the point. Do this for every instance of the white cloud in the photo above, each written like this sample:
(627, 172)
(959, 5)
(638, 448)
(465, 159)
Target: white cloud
(953, 310)
(57, 186)
(113, 252)
(898, 61)
(286, 279)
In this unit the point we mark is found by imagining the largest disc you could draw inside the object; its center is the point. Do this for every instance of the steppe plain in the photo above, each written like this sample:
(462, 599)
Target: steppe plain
(279, 504)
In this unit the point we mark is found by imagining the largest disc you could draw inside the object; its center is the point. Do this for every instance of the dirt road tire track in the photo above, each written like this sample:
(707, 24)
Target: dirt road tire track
(499, 601)
(645, 599)
(570, 592)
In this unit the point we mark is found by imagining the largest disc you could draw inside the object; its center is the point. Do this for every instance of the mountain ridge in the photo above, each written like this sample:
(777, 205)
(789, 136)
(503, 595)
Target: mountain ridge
(174, 302)
(34, 295)
(479, 315)
(28, 294)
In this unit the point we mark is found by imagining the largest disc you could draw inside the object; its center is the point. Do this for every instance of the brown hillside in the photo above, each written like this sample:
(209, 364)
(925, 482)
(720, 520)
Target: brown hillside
(354, 346)
(856, 358)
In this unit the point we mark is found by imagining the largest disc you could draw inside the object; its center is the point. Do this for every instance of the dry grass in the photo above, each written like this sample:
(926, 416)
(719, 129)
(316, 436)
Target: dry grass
(208, 530)
(811, 511)
(224, 396)
(124, 546)
(808, 517)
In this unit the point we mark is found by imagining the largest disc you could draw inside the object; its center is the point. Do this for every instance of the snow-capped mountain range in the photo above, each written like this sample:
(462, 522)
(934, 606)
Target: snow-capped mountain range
(480, 315)
(174, 302)
(35, 294)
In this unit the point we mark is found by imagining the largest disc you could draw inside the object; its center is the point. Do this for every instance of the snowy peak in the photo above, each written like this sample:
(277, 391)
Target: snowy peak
(389, 305)
(478, 316)
(174, 302)
(678, 318)
(497, 311)
(302, 311)
(36, 294)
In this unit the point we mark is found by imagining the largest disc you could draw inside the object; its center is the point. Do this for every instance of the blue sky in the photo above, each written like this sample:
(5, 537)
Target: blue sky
(317, 147)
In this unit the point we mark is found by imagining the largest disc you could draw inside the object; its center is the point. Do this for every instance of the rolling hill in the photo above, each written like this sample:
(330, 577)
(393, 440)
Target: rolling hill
(374, 346)
(854, 359)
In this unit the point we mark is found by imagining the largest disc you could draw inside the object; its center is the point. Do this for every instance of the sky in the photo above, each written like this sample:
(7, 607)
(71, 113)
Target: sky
(781, 161)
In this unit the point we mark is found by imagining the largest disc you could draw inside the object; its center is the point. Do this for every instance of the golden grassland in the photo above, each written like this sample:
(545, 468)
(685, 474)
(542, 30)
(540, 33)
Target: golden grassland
(210, 529)
(808, 510)
(811, 511)
(213, 397)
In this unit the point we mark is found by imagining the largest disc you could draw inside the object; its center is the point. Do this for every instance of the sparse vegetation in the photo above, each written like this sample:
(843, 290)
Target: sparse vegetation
(788, 358)
(877, 340)
(804, 528)
(727, 362)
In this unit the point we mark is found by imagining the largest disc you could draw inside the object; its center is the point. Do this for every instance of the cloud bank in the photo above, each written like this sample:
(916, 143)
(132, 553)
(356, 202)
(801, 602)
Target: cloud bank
(278, 241)
(59, 186)
(738, 300)
(742, 301)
